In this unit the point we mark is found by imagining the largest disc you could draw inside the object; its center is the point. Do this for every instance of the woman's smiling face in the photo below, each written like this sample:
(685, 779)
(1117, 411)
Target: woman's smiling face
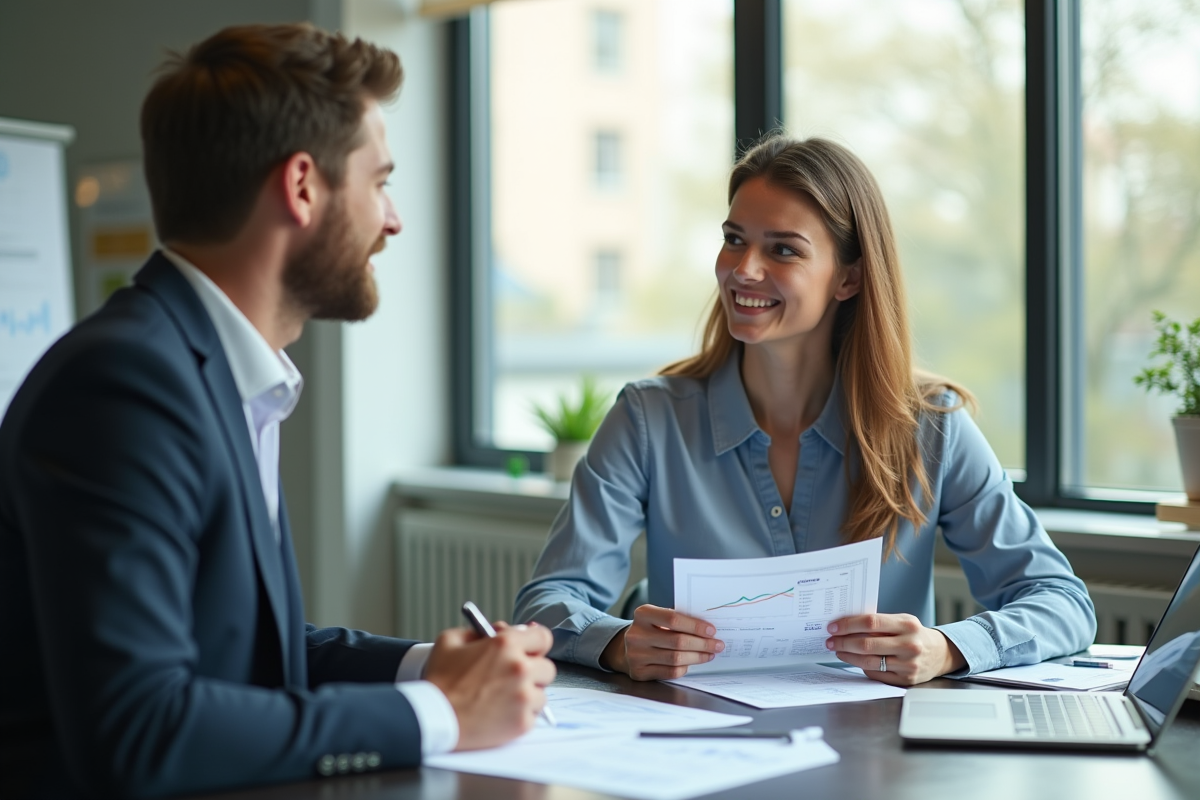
(777, 271)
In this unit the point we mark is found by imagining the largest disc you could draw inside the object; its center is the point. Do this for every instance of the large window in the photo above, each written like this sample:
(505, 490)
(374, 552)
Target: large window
(931, 94)
(1140, 132)
(1039, 159)
(609, 136)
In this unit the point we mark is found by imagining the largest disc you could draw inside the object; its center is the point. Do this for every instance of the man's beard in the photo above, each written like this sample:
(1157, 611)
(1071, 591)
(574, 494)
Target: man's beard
(330, 280)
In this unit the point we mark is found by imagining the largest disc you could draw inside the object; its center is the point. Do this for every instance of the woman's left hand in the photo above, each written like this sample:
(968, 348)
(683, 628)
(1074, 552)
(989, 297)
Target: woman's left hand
(893, 648)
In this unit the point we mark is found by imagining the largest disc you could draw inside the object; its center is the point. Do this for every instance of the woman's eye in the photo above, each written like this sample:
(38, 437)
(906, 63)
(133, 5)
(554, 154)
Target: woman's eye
(732, 238)
(784, 250)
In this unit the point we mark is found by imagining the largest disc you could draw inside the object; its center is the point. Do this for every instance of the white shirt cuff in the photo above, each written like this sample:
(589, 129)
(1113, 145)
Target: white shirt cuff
(435, 717)
(412, 666)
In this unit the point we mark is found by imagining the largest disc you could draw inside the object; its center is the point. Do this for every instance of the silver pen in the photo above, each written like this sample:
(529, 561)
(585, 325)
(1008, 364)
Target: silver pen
(484, 628)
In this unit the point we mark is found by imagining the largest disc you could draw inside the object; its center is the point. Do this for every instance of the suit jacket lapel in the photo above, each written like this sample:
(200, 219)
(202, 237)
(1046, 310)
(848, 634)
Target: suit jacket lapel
(162, 278)
(297, 654)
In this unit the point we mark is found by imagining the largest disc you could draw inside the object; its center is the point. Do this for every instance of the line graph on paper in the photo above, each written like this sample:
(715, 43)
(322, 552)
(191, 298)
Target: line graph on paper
(744, 597)
(744, 601)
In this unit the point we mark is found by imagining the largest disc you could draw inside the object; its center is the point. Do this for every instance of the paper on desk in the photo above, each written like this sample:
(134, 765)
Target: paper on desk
(1048, 675)
(772, 612)
(584, 713)
(648, 769)
(809, 685)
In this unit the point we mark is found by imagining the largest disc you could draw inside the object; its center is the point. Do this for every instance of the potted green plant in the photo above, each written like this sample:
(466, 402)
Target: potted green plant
(572, 424)
(1179, 375)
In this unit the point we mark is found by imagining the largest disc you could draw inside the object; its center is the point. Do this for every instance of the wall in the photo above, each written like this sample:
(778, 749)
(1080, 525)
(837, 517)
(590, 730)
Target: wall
(375, 393)
(382, 404)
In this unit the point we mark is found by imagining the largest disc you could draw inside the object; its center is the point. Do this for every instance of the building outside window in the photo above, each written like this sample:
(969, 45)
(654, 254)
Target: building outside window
(608, 160)
(608, 276)
(606, 40)
(607, 196)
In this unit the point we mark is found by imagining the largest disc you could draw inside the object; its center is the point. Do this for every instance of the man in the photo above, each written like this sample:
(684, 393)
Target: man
(154, 637)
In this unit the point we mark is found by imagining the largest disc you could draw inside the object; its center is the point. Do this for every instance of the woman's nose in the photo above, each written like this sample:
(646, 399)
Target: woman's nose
(750, 268)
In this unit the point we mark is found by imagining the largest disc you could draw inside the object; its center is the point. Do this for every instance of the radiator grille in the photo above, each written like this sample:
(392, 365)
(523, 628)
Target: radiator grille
(445, 558)
(1124, 614)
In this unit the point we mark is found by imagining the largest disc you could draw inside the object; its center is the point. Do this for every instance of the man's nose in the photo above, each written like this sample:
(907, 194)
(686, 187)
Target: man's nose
(391, 220)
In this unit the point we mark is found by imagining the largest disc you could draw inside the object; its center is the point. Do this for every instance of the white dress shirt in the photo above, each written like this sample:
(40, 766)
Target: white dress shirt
(269, 385)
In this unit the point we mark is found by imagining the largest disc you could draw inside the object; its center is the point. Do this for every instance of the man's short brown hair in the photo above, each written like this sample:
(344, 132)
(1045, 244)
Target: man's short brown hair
(232, 108)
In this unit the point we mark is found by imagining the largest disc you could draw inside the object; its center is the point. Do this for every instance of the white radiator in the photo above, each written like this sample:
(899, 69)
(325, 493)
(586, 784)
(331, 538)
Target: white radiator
(444, 558)
(1124, 614)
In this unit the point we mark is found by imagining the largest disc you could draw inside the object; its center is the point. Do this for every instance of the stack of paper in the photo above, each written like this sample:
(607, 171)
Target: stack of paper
(810, 685)
(596, 747)
(1049, 675)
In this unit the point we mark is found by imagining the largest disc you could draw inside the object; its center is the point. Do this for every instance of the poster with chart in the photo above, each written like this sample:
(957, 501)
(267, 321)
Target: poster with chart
(35, 266)
(772, 612)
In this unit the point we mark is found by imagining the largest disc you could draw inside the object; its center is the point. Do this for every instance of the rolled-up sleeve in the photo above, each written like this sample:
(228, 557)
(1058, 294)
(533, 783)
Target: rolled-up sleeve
(1036, 608)
(586, 560)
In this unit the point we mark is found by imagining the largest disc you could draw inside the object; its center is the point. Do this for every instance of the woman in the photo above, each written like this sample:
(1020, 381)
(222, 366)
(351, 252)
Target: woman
(801, 425)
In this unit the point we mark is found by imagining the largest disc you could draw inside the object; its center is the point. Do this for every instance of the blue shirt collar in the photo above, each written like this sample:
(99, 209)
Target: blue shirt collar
(733, 420)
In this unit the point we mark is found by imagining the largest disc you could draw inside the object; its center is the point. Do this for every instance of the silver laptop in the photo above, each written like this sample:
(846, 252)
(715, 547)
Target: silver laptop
(1075, 720)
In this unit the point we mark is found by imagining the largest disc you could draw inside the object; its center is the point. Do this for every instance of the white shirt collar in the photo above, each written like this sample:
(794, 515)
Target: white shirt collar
(257, 369)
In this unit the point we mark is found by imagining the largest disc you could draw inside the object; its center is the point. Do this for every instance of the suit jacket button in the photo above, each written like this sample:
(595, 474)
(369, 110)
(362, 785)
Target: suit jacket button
(326, 765)
(359, 762)
(373, 760)
(343, 763)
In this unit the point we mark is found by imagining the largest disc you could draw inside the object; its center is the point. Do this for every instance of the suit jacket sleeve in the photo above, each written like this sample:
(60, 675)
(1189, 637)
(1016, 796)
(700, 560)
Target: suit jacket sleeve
(339, 654)
(117, 480)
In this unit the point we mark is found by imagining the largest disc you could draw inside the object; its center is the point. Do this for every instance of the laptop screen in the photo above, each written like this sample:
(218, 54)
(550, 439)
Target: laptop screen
(1165, 673)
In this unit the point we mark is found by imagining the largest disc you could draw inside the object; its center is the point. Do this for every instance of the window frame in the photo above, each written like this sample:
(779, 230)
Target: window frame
(1053, 252)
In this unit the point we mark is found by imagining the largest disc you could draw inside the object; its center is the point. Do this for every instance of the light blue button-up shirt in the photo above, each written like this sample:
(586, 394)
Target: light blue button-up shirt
(684, 460)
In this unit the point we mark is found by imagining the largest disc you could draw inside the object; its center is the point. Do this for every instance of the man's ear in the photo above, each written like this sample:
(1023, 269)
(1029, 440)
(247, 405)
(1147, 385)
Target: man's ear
(302, 188)
(851, 281)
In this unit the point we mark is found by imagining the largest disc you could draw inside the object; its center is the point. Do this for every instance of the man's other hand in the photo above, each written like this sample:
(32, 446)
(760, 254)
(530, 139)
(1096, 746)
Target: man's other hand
(496, 686)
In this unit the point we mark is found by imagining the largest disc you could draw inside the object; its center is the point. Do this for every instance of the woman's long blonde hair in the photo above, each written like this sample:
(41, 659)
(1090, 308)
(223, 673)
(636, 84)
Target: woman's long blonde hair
(884, 395)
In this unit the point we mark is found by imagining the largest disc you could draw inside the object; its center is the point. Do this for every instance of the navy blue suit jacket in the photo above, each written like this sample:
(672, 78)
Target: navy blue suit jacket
(154, 641)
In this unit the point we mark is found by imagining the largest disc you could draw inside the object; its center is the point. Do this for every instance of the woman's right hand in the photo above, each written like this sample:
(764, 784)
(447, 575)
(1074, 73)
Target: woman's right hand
(661, 643)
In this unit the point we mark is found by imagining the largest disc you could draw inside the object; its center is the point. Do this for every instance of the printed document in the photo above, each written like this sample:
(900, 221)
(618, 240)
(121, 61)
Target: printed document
(586, 713)
(772, 615)
(648, 769)
(772, 612)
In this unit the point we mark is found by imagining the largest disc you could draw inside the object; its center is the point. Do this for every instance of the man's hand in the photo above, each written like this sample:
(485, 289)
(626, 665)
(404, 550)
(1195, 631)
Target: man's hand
(496, 686)
(661, 643)
(914, 653)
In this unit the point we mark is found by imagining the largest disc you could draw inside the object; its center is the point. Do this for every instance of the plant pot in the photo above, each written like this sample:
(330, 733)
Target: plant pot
(561, 461)
(1187, 437)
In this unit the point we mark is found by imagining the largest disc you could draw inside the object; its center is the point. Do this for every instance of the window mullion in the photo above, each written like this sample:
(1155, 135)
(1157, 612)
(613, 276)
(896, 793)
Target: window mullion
(1043, 253)
(757, 69)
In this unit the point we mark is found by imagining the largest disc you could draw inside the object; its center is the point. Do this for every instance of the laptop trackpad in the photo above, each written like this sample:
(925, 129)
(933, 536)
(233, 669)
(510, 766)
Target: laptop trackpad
(951, 709)
(946, 713)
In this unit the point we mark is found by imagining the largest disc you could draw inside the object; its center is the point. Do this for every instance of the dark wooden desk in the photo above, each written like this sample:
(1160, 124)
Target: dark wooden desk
(875, 764)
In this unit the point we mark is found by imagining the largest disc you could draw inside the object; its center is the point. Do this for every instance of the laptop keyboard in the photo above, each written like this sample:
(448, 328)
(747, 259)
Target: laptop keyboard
(1060, 716)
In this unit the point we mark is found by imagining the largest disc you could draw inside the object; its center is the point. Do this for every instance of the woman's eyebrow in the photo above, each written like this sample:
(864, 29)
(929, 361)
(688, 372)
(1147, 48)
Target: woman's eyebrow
(786, 235)
(733, 226)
